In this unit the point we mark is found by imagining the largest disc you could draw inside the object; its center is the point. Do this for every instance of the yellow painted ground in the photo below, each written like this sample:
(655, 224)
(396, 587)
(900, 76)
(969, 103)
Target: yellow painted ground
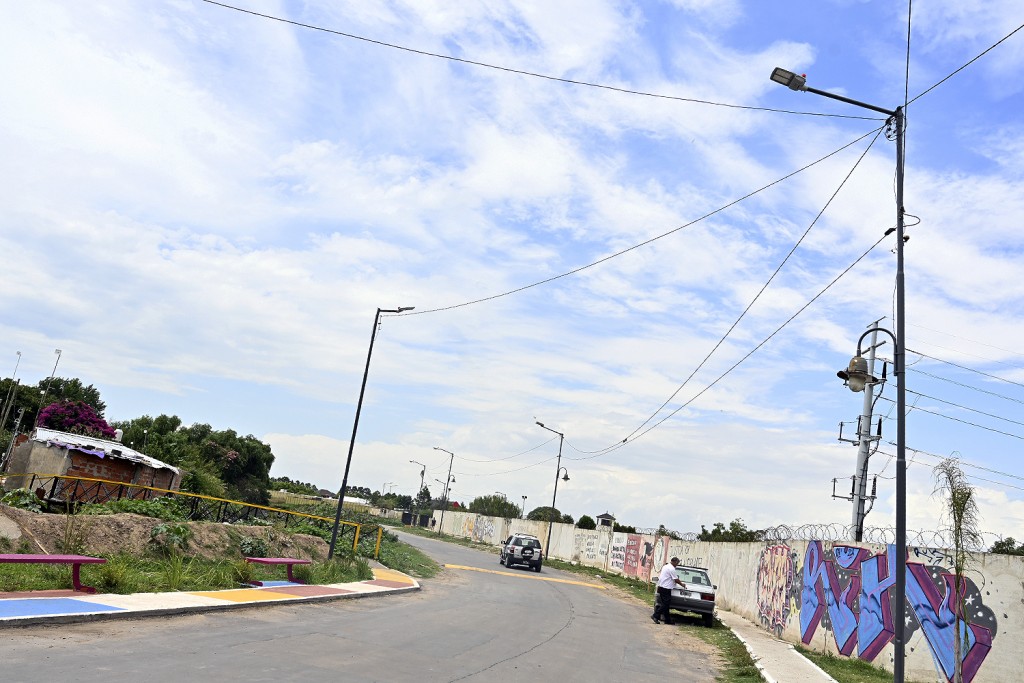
(527, 576)
(389, 575)
(245, 595)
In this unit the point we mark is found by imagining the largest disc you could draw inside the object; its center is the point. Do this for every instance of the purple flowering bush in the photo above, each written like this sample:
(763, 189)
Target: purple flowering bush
(76, 417)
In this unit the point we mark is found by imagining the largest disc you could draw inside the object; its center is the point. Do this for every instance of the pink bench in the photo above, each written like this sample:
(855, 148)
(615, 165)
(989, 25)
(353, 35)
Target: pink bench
(76, 562)
(290, 561)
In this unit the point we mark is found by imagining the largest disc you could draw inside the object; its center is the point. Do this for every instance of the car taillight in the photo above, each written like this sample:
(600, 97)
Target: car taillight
(707, 596)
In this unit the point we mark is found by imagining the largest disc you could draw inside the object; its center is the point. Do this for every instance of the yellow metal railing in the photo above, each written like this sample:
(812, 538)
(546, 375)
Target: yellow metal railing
(34, 478)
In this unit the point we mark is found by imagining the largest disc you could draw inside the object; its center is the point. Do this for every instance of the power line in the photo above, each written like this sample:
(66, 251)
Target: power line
(745, 357)
(966, 386)
(509, 457)
(964, 462)
(763, 288)
(641, 244)
(973, 410)
(976, 58)
(966, 422)
(521, 72)
(964, 367)
(892, 456)
(967, 339)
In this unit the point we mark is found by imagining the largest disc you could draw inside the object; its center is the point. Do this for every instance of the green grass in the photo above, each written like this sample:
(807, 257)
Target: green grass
(847, 670)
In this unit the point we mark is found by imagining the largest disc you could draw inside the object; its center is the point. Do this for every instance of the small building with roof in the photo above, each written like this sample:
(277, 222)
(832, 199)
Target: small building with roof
(605, 520)
(49, 452)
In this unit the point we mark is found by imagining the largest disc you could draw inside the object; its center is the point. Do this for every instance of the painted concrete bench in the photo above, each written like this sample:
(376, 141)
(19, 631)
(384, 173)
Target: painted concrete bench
(290, 561)
(76, 562)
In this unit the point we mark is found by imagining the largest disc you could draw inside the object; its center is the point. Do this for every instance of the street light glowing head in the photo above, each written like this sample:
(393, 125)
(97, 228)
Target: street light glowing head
(789, 79)
(856, 375)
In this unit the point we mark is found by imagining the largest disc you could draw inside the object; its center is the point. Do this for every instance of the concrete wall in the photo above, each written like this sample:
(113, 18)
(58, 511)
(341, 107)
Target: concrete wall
(829, 596)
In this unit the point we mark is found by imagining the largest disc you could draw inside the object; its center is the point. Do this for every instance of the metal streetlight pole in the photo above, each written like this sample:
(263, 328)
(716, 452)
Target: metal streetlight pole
(42, 401)
(423, 473)
(897, 117)
(449, 480)
(558, 470)
(9, 400)
(355, 424)
(524, 507)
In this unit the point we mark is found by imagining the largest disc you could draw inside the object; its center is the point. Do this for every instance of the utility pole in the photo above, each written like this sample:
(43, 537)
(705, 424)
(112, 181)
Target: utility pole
(864, 443)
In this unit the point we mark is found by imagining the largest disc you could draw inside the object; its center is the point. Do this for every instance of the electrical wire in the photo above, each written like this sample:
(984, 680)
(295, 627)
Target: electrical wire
(964, 367)
(635, 246)
(972, 61)
(745, 357)
(509, 457)
(967, 386)
(892, 457)
(973, 410)
(964, 462)
(967, 339)
(762, 290)
(521, 72)
(966, 422)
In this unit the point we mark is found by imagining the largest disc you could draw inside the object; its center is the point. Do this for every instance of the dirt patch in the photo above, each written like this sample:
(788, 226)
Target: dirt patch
(132, 534)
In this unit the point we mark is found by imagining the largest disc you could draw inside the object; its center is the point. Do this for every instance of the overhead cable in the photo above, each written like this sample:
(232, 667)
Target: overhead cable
(521, 72)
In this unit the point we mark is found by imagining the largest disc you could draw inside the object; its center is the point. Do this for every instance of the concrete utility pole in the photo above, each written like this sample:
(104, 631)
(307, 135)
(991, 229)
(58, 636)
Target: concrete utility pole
(864, 443)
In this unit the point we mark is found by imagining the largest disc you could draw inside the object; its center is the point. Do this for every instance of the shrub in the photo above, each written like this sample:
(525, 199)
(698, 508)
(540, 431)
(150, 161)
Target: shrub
(24, 499)
(254, 547)
(170, 539)
(168, 509)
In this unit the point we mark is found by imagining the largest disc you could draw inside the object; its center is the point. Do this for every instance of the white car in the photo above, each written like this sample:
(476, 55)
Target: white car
(522, 549)
(697, 595)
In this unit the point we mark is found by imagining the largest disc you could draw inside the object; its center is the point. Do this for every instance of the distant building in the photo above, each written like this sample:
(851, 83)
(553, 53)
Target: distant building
(50, 452)
(605, 520)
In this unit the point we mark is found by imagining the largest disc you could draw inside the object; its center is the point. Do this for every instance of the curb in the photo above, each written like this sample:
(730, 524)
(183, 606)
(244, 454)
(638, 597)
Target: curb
(757, 663)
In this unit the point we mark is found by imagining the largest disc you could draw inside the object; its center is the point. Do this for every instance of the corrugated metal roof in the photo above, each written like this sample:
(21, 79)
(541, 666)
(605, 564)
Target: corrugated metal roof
(114, 449)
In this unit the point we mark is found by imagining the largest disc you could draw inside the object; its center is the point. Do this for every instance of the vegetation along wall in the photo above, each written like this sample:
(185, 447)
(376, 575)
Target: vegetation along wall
(828, 596)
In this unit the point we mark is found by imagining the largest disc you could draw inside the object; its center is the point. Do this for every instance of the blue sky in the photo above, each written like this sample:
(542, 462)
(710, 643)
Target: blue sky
(204, 208)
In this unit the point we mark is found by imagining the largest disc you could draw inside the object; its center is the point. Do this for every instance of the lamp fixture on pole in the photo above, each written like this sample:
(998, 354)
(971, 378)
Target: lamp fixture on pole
(449, 480)
(355, 424)
(524, 507)
(423, 473)
(558, 470)
(895, 120)
(46, 390)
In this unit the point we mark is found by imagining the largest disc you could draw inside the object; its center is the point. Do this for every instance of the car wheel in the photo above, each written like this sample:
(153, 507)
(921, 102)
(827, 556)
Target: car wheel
(709, 620)
(537, 568)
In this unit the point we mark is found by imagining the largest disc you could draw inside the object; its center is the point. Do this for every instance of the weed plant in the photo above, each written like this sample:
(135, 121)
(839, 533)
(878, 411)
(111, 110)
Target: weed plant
(167, 509)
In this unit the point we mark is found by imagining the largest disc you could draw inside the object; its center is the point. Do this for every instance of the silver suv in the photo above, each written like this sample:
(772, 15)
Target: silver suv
(697, 595)
(521, 549)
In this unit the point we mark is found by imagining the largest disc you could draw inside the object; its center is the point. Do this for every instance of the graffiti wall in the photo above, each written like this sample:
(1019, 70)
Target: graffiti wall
(834, 597)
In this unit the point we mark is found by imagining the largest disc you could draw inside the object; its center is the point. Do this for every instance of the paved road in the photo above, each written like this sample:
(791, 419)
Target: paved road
(507, 625)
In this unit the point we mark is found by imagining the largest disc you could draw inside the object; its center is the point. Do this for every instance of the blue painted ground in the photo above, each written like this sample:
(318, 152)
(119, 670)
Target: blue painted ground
(38, 607)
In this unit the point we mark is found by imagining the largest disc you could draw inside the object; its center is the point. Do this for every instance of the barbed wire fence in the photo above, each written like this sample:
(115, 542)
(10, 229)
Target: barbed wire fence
(928, 538)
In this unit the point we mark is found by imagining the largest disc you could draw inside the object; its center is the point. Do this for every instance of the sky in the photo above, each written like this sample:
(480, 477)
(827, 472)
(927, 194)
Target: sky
(204, 208)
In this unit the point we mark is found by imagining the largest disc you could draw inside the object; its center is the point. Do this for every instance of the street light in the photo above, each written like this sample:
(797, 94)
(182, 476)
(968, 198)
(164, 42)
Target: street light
(355, 424)
(524, 507)
(42, 401)
(449, 480)
(558, 470)
(896, 117)
(9, 401)
(423, 473)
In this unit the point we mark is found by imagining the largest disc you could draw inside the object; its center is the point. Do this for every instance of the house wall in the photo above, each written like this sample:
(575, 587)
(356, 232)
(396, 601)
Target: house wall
(829, 596)
(40, 458)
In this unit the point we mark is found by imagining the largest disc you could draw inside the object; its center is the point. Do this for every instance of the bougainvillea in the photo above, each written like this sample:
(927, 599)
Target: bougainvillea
(76, 417)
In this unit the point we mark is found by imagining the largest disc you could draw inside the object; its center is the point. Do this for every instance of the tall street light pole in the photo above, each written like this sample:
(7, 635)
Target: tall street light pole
(524, 507)
(355, 424)
(9, 400)
(448, 481)
(558, 470)
(896, 117)
(423, 473)
(42, 401)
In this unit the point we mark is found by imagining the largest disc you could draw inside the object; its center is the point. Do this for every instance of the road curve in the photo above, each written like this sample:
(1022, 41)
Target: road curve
(464, 625)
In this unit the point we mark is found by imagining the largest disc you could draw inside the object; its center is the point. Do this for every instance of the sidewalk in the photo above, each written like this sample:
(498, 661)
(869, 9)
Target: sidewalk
(776, 659)
(65, 606)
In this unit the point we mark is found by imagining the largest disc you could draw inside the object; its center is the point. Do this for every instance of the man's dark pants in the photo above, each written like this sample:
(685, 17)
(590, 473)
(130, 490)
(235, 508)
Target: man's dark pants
(661, 604)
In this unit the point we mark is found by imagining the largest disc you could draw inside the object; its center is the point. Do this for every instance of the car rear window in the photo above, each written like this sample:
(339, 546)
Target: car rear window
(691, 576)
(531, 543)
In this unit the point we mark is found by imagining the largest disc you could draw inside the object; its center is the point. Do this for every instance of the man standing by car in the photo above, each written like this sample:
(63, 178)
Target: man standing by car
(667, 579)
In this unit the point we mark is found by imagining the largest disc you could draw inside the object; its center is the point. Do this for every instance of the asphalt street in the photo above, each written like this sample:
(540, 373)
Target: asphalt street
(477, 622)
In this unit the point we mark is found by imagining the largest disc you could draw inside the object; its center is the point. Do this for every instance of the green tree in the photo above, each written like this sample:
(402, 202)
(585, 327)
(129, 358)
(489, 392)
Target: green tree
(737, 532)
(72, 389)
(1007, 546)
(494, 505)
(422, 500)
(961, 509)
(544, 513)
(623, 528)
(586, 522)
